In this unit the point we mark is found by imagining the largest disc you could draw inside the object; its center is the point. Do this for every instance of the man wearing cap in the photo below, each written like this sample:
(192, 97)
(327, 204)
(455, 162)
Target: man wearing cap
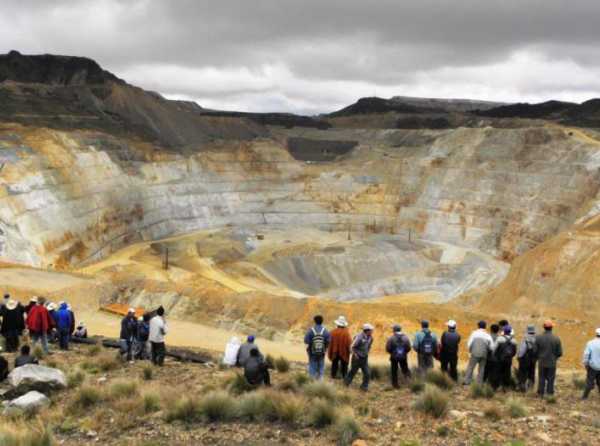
(450, 343)
(549, 350)
(361, 346)
(398, 346)
(591, 361)
(245, 349)
(13, 324)
(339, 348)
(479, 345)
(425, 344)
(128, 333)
(527, 357)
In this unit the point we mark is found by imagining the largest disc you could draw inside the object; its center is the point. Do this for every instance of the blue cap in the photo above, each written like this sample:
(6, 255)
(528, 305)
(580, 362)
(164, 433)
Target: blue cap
(251, 338)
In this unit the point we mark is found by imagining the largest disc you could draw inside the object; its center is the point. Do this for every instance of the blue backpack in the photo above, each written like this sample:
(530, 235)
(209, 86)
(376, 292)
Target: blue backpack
(427, 347)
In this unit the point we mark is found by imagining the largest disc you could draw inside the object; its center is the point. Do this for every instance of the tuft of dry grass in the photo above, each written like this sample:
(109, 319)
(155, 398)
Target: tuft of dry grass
(321, 413)
(321, 389)
(75, 379)
(85, 397)
(481, 391)
(20, 434)
(433, 401)
(516, 408)
(123, 389)
(282, 365)
(346, 429)
(439, 379)
(217, 406)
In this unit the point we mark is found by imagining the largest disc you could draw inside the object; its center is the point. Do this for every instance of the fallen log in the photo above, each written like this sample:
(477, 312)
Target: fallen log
(88, 341)
(179, 354)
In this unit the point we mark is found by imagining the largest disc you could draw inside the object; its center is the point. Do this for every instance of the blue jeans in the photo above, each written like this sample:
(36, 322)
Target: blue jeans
(316, 366)
(42, 337)
(63, 338)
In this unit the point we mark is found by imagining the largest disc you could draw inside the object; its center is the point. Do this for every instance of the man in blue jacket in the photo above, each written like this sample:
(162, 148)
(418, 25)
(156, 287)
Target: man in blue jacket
(591, 361)
(317, 340)
(64, 320)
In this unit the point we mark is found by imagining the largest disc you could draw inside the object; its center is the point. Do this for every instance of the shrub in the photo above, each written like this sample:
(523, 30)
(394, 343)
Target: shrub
(301, 379)
(347, 430)
(416, 386)
(123, 389)
(38, 352)
(257, 406)
(151, 402)
(481, 391)
(321, 413)
(270, 361)
(94, 350)
(75, 379)
(217, 406)
(289, 408)
(282, 365)
(515, 408)
(186, 409)
(237, 384)
(320, 389)
(86, 397)
(433, 401)
(25, 436)
(147, 373)
(551, 399)
(578, 382)
(107, 362)
(492, 413)
(288, 385)
(379, 372)
(439, 379)
(443, 431)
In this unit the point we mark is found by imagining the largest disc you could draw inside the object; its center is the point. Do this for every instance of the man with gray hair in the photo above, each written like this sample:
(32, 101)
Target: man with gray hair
(591, 361)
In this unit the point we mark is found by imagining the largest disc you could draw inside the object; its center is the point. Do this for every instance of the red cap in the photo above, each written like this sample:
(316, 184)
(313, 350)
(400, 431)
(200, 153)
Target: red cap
(548, 323)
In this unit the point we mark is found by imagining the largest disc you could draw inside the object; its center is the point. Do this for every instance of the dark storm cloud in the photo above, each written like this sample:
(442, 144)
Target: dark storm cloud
(317, 55)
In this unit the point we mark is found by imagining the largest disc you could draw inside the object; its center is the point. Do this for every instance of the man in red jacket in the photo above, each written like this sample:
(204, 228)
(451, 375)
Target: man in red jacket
(38, 323)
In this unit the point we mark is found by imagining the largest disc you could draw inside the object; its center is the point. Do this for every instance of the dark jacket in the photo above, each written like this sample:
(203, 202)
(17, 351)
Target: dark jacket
(63, 318)
(12, 320)
(143, 331)
(396, 340)
(128, 328)
(23, 360)
(450, 344)
(549, 349)
(361, 346)
(3, 368)
(254, 370)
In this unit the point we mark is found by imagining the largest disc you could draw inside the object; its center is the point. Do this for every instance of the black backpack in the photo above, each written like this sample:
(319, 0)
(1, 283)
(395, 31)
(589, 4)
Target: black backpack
(506, 351)
(427, 346)
(530, 353)
(399, 351)
(317, 345)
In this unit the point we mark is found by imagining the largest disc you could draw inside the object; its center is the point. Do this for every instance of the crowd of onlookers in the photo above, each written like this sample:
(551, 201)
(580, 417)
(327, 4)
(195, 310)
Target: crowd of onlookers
(143, 337)
(42, 322)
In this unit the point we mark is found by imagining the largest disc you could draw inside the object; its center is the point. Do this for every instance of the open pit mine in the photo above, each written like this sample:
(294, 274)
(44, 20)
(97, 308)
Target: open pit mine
(387, 210)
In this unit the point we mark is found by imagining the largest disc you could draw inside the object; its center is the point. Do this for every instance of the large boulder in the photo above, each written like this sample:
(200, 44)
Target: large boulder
(31, 401)
(36, 377)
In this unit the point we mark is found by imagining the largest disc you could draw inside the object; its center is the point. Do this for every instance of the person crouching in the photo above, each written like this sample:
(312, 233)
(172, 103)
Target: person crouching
(256, 370)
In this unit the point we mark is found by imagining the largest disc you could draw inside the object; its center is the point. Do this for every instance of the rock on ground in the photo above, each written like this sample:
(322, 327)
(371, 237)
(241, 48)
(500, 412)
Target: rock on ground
(30, 401)
(36, 377)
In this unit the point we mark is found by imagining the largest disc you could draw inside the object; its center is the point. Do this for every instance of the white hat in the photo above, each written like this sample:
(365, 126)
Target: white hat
(34, 299)
(341, 322)
(131, 310)
(51, 306)
(368, 327)
(81, 324)
(598, 332)
(11, 304)
(451, 323)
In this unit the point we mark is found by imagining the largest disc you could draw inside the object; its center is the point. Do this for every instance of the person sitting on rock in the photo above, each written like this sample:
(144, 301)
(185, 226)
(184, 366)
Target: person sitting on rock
(256, 370)
(245, 349)
(25, 357)
(80, 331)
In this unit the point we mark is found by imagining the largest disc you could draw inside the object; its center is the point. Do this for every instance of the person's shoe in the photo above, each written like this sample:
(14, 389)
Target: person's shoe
(364, 389)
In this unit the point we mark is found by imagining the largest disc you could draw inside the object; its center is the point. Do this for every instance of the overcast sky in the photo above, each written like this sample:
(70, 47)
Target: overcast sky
(316, 56)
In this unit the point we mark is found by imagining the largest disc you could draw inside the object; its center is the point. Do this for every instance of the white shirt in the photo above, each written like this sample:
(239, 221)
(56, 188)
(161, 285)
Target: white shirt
(158, 329)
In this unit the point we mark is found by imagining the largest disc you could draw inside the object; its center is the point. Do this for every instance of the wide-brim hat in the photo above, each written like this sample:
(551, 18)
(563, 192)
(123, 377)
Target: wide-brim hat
(12, 304)
(341, 322)
(34, 299)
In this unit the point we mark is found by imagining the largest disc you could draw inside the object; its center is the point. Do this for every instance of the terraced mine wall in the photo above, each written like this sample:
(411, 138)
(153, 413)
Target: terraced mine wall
(68, 197)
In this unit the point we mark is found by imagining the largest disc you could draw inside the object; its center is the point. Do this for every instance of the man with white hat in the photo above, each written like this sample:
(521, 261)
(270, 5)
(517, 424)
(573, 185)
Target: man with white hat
(13, 324)
(591, 360)
(361, 346)
(339, 348)
(449, 345)
(128, 333)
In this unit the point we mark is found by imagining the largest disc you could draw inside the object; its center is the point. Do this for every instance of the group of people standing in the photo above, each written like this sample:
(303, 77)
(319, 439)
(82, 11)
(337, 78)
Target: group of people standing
(144, 337)
(492, 353)
(44, 322)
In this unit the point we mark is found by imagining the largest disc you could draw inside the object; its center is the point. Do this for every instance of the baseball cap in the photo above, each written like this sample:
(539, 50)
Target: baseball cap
(451, 323)
(548, 323)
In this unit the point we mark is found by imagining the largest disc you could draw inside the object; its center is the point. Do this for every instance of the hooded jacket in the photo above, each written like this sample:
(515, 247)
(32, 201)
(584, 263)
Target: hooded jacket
(63, 318)
(340, 344)
(38, 319)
